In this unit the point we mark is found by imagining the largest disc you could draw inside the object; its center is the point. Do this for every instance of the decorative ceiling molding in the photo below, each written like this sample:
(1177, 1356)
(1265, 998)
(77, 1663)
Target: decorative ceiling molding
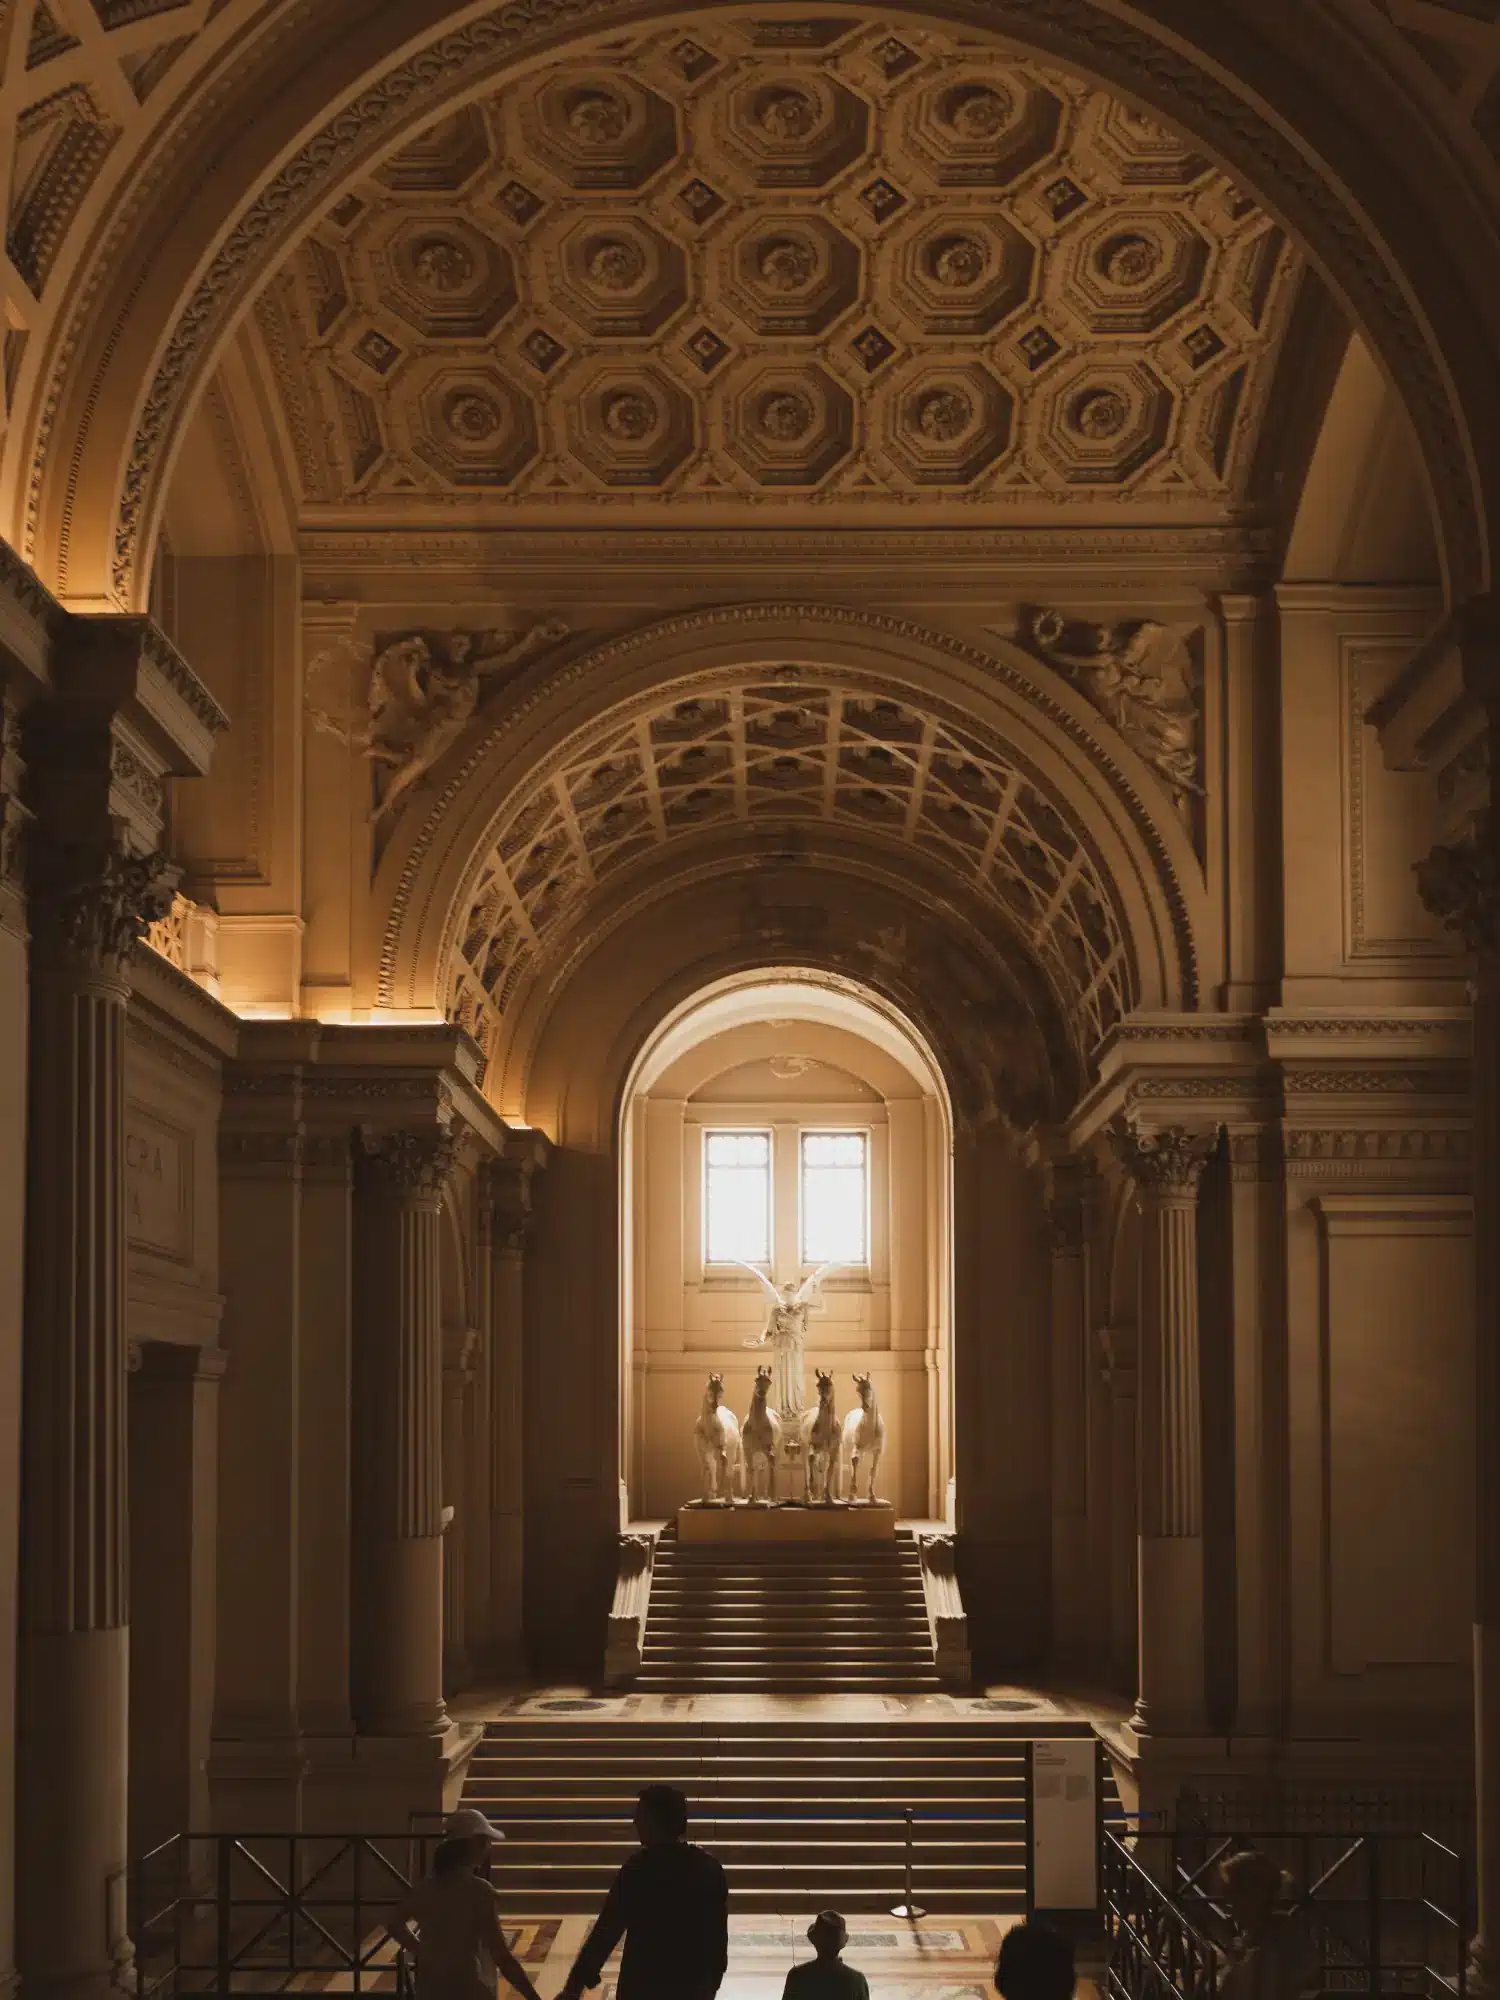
(1332, 59)
(746, 271)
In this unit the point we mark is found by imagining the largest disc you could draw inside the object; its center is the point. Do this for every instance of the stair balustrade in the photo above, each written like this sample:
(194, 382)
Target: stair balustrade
(1381, 1913)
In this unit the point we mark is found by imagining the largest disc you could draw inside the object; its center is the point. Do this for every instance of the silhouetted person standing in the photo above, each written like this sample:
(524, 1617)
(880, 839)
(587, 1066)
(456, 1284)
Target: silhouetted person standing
(670, 1903)
(1034, 1964)
(826, 1977)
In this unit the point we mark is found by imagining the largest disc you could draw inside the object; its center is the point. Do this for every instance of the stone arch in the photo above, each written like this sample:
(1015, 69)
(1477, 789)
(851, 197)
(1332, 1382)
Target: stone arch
(985, 764)
(1404, 253)
(603, 1010)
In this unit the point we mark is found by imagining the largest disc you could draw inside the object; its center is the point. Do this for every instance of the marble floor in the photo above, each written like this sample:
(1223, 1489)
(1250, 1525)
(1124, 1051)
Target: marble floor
(948, 1958)
(1000, 1703)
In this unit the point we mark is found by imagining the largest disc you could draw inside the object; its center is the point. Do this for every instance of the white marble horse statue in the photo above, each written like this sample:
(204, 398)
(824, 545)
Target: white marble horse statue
(821, 1465)
(864, 1438)
(720, 1453)
(761, 1436)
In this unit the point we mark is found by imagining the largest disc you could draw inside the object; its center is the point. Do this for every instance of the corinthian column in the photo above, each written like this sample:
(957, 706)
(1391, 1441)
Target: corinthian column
(89, 905)
(1461, 884)
(1166, 1168)
(398, 1671)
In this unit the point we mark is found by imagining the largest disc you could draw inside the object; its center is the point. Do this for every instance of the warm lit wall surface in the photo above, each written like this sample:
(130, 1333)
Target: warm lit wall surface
(725, 498)
(692, 1317)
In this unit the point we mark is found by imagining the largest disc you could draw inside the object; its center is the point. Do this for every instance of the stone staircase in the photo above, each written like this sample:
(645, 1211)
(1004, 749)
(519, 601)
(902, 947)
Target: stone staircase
(802, 1814)
(819, 1618)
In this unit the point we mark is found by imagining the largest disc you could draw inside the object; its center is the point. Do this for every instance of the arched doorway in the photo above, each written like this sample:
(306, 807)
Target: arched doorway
(861, 809)
(727, 1116)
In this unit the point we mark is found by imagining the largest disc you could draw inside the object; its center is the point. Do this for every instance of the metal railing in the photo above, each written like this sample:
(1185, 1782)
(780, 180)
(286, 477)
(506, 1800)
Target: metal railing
(222, 1914)
(1377, 1914)
(1156, 1951)
(225, 1914)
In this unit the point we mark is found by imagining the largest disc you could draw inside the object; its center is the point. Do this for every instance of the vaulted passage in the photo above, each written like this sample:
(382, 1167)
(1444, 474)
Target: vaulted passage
(748, 951)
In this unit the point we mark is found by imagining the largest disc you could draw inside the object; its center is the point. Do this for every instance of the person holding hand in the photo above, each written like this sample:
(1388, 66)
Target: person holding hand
(670, 1903)
(450, 1923)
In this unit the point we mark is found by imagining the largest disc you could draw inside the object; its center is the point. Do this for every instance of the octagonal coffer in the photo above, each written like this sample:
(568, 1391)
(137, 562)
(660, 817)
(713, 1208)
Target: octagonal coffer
(444, 277)
(788, 425)
(790, 273)
(443, 159)
(1104, 421)
(630, 426)
(599, 129)
(945, 425)
(474, 426)
(618, 276)
(980, 129)
(792, 128)
(964, 272)
(1142, 151)
(1133, 273)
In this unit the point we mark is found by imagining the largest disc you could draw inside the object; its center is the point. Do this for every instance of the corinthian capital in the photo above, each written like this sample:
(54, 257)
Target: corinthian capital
(1460, 885)
(91, 903)
(1166, 1162)
(412, 1164)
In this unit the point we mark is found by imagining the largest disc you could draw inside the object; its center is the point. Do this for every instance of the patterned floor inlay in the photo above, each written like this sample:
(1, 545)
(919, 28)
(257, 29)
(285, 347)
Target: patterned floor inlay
(1027, 1707)
(950, 1960)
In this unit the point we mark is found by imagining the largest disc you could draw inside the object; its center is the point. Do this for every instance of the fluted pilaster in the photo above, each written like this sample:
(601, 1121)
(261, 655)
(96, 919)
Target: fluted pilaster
(505, 1226)
(89, 905)
(1069, 1212)
(399, 1672)
(460, 1350)
(1167, 1167)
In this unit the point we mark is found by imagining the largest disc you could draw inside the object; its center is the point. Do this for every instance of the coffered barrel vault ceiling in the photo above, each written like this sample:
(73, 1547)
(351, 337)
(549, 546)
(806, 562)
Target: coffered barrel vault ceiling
(788, 749)
(789, 263)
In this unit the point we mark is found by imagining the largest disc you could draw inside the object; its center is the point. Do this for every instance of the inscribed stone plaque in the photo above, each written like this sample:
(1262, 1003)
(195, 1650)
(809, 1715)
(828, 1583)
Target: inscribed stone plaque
(156, 1185)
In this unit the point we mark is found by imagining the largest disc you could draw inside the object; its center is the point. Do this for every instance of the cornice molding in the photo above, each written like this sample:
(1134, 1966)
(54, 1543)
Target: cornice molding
(339, 551)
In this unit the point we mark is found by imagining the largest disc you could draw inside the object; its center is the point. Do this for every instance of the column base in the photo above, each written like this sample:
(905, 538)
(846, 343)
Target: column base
(1171, 1699)
(117, 1985)
(255, 1783)
(374, 1785)
(71, 1916)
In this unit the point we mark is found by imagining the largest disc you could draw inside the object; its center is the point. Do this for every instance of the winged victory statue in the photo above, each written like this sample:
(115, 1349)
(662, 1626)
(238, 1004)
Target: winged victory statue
(785, 1333)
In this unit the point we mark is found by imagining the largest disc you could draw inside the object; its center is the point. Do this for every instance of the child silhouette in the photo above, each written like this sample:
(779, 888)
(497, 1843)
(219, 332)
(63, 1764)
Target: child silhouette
(826, 1977)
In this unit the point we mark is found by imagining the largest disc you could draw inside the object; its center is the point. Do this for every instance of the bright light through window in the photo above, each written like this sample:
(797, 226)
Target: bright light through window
(737, 1197)
(835, 1198)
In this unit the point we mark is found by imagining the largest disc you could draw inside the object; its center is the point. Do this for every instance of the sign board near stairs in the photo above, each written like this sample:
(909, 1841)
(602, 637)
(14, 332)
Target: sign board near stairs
(1065, 1823)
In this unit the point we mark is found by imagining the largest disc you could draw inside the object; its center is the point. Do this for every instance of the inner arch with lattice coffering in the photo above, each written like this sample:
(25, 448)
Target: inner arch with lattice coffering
(814, 737)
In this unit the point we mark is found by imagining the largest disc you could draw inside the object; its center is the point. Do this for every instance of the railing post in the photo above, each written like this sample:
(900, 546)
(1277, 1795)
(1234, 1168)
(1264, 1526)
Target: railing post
(1372, 1848)
(909, 1910)
(1028, 1765)
(223, 1878)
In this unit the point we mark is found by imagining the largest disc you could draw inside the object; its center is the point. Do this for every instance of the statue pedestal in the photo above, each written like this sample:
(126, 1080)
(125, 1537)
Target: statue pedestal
(742, 1524)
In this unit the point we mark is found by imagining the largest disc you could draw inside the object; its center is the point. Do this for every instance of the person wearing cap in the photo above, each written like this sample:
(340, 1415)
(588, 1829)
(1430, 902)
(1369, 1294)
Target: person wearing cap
(1272, 1956)
(826, 1977)
(450, 1922)
(670, 1903)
